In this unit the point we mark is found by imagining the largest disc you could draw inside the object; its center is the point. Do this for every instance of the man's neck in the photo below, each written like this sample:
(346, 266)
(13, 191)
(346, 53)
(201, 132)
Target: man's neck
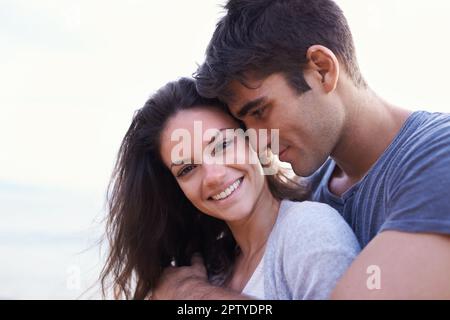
(370, 127)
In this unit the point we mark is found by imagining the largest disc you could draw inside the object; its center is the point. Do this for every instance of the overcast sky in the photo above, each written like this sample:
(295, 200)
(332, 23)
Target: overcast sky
(73, 72)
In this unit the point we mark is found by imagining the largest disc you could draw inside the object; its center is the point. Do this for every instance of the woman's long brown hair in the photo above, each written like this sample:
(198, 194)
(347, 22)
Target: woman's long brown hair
(150, 223)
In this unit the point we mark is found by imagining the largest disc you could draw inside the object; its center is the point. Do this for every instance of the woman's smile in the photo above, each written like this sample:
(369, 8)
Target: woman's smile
(227, 194)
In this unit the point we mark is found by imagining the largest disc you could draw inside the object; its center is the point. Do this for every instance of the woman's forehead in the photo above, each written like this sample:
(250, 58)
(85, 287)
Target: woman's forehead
(208, 117)
(194, 128)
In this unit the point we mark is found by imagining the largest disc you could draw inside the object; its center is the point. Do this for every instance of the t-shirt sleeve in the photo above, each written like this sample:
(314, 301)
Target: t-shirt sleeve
(316, 248)
(419, 194)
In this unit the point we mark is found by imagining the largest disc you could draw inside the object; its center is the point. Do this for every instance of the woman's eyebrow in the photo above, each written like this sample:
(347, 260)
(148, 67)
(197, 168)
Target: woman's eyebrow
(219, 133)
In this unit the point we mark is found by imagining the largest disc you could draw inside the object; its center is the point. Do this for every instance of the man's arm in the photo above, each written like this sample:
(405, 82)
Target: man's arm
(191, 283)
(399, 265)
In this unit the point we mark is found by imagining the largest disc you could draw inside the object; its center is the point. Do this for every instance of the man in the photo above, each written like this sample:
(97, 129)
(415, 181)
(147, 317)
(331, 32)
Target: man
(291, 65)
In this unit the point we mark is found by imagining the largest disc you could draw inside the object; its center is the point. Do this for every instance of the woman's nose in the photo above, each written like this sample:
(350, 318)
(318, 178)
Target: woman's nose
(214, 175)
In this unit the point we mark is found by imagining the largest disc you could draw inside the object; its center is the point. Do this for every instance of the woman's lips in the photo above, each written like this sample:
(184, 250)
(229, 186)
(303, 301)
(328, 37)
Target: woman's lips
(241, 179)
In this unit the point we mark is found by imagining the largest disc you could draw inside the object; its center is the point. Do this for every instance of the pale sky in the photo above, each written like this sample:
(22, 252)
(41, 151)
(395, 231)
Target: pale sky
(72, 73)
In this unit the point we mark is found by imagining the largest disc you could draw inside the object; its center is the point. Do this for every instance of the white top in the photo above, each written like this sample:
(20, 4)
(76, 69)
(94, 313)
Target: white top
(255, 286)
(308, 250)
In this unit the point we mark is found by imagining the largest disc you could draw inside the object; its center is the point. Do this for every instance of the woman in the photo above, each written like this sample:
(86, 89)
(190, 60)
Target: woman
(252, 230)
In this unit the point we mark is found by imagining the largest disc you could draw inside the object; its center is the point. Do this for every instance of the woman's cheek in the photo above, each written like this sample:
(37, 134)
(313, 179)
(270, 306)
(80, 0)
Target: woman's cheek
(192, 191)
(244, 155)
(259, 177)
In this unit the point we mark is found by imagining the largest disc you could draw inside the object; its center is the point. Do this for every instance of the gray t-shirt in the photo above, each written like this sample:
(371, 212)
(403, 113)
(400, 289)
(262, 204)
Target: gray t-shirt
(309, 249)
(407, 189)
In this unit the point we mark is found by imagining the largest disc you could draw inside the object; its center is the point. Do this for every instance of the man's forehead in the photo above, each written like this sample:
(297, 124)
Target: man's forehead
(238, 92)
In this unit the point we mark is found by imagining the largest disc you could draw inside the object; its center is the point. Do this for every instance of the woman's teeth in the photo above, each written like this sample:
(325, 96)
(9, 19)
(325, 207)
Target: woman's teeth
(228, 191)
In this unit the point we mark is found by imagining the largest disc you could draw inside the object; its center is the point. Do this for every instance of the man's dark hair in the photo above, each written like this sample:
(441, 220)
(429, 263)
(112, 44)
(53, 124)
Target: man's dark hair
(268, 36)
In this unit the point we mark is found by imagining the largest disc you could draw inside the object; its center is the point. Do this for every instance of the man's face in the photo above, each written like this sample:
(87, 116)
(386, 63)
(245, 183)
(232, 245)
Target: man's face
(309, 124)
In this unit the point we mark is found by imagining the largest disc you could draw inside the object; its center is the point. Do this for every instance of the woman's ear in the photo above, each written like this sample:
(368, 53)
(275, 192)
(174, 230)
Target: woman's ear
(324, 63)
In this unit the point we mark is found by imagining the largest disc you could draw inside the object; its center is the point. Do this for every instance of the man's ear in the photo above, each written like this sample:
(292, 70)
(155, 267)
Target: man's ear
(325, 64)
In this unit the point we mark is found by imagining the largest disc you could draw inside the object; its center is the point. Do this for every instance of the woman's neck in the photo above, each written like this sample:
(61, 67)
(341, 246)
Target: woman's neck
(252, 233)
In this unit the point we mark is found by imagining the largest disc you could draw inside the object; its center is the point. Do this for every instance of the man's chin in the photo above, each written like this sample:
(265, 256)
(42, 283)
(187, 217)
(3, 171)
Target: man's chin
(304, 171)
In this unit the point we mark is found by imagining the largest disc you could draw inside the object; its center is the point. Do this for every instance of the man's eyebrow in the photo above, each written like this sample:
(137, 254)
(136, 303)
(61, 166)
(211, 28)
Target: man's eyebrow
(249, 106)
(180, 163)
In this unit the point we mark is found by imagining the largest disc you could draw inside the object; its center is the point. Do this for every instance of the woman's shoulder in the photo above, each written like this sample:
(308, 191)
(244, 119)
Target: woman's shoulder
(307, 213)
(307, 222)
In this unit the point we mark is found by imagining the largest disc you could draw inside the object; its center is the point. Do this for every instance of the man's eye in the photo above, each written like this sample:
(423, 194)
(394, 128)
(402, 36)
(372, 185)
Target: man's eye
(185, 170)
(258, 112)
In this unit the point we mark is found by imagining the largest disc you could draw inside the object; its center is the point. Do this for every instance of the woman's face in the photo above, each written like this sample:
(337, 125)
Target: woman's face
(218, 171)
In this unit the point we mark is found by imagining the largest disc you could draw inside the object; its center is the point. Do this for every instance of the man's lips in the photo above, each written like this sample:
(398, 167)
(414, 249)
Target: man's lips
(282, 153)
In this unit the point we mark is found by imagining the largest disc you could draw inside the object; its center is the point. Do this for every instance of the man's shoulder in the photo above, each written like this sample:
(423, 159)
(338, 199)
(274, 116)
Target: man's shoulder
(415, 178)
(428, 142)
(428, 128)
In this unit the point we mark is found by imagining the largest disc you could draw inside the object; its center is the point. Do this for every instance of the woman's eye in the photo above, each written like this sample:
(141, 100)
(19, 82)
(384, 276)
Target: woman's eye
(221, 146)
(226, 144)
(185, 170)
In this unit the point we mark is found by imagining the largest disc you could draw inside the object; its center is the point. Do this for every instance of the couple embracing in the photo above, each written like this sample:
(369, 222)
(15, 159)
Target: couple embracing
(368, 192)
